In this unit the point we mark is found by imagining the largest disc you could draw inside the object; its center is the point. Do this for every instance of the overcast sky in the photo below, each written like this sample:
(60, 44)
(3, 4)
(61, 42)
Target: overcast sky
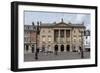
(50, 17)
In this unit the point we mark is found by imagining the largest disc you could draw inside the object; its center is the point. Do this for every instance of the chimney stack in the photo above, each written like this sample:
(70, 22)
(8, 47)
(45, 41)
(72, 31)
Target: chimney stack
(33, 23)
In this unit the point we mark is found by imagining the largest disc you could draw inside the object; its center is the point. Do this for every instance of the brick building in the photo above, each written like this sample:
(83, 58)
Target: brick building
(29, 38)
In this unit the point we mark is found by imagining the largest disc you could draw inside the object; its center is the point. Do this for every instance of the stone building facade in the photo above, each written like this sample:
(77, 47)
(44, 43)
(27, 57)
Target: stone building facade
(63, 36)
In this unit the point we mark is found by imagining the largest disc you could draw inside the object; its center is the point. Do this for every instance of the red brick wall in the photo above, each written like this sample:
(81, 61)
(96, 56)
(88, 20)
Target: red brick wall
(33, 36)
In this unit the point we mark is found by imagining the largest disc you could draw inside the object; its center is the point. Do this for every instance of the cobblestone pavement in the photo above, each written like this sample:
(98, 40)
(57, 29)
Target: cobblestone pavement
(52, 56)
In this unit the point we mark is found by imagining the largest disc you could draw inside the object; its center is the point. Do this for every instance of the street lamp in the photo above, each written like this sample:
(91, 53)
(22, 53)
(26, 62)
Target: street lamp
(37, 49)
(30, 38)
(81, 48)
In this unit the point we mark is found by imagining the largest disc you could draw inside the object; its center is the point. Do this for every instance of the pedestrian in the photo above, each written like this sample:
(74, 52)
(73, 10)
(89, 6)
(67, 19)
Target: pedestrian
(36, 54)
(81, 51)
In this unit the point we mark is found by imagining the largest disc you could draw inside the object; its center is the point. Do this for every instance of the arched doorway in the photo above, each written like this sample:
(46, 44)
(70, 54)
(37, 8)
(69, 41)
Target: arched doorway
(62, 48)
(32, 48)
(68, 48)
(27, 47)
(56, 48)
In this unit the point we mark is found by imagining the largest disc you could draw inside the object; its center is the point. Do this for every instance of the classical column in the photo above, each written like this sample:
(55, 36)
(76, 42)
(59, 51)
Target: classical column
(59, 40)
(65, 35)
(59, 35)
(65, 40)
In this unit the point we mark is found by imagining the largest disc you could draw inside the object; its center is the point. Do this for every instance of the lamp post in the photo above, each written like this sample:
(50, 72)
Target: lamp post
(30, 38)
(37, 49)
(81, 48)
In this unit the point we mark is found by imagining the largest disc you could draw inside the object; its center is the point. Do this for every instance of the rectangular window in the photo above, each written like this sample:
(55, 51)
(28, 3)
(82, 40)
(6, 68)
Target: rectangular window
(67, 33)
(79, 35)
(87, 42)
(74, 35)
(62, 33)
(79, 40)
(74, 40)
(43, 38)
(27, 28)
(43, 30)
(56, 34)
(86, 37)
(49, 38)
(49, 31)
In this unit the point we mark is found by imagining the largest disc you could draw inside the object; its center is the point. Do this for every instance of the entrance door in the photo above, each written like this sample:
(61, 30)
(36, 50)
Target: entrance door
(62, 48)
(68, 48)
(56, 48)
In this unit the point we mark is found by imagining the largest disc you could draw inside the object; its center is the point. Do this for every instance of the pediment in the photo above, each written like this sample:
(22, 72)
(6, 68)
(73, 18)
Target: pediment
(62, 24)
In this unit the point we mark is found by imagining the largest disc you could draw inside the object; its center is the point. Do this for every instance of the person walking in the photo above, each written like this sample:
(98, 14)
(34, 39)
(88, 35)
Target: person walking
(36, 54)
(81, 51)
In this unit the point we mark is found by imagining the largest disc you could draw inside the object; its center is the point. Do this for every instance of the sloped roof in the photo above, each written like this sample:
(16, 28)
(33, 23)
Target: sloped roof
(30, 27)
(61, 24)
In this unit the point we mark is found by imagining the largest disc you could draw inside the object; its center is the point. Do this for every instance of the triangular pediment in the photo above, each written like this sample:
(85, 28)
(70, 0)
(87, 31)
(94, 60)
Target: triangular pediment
(62, 24)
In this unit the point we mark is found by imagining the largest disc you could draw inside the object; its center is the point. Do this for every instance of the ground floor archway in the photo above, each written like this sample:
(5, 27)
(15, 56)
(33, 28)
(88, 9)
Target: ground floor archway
(56, 48)
(67, 47)
(62, 48)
